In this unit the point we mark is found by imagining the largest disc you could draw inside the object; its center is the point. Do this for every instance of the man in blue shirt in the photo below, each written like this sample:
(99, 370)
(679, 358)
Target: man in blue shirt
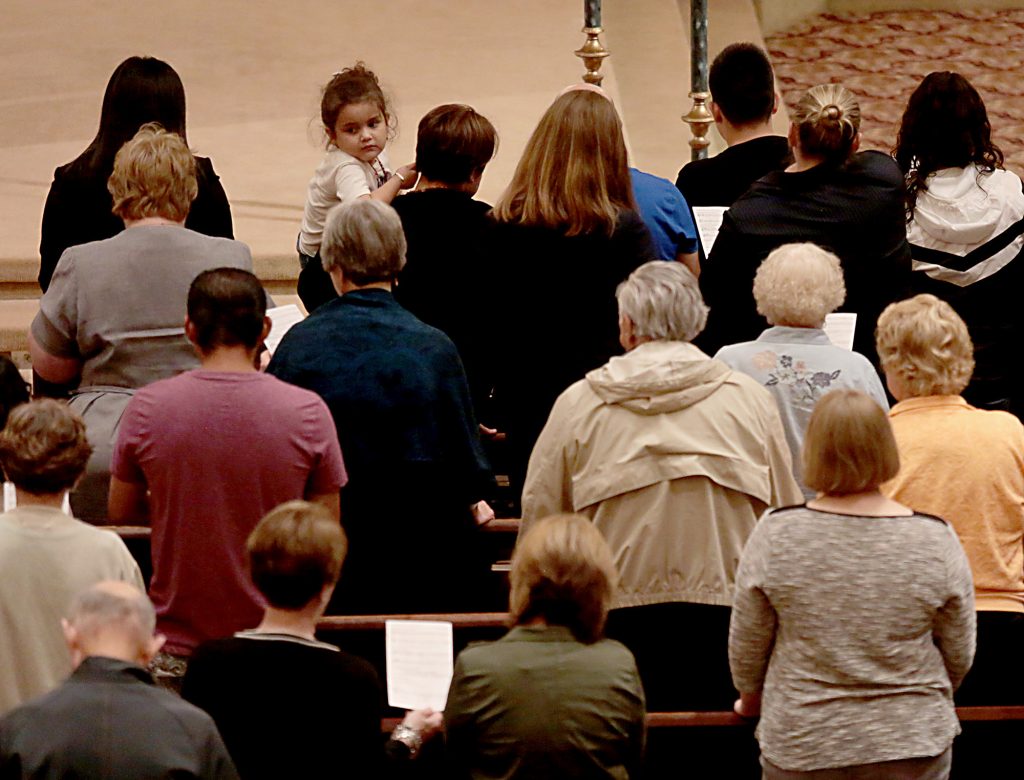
(665, 212)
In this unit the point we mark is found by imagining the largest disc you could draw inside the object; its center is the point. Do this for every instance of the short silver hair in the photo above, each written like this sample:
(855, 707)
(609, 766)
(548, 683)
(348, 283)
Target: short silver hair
(798, 284)
(663, 301)
(363, 238)
(113, 606)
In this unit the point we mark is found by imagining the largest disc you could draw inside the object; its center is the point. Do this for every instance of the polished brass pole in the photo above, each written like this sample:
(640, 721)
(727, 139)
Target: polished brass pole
(699, 116)
(593, 51)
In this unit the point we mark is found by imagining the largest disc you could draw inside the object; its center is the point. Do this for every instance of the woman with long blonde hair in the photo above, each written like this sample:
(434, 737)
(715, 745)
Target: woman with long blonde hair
(565, 234)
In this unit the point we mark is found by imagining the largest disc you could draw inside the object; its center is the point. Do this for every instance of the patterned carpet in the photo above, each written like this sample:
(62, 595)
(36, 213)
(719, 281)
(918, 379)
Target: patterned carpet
(883, 56)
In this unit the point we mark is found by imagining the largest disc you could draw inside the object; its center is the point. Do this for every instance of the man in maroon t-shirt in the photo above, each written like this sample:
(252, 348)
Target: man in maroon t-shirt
(216, 449)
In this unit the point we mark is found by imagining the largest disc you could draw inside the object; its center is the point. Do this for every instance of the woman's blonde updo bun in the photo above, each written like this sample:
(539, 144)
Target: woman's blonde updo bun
(828, 120)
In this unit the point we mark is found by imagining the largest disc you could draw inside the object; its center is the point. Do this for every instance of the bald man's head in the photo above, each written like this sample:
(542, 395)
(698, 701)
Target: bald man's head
(115, 620)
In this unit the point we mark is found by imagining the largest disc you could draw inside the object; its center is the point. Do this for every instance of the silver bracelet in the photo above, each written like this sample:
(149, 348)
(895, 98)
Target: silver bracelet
(409, 737)
(401, 178)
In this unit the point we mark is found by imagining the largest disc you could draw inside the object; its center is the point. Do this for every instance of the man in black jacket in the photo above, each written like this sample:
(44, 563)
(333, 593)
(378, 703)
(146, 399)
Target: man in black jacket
(109, 719)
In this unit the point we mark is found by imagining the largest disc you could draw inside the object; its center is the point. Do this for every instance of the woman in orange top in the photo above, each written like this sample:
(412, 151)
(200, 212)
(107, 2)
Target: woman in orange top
(967, 466)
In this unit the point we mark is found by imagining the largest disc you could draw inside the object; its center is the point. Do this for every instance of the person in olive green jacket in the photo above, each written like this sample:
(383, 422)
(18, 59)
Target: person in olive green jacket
(551, 699)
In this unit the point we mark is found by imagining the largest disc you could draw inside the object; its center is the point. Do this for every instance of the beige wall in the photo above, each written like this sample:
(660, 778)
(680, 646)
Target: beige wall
(777, 15)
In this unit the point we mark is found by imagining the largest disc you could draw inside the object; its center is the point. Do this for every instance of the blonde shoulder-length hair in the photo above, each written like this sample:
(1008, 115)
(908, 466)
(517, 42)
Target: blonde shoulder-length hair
(563, 573)
(849, 446)
(573, 174)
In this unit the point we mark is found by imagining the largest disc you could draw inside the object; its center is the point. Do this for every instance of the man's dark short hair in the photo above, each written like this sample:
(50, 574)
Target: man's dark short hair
(742, 84)
(227, 306)
(453, 143)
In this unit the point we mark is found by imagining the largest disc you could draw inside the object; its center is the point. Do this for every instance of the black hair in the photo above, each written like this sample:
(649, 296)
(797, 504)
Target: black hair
(945, 125)
(226, 306)
(140, 90)
(742, 84)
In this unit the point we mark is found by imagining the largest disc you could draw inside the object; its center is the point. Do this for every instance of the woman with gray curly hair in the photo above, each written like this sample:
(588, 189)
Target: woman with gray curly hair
(796, 287)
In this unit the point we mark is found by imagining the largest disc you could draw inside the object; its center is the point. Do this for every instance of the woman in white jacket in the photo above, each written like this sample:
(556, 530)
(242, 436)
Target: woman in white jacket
(965, 225)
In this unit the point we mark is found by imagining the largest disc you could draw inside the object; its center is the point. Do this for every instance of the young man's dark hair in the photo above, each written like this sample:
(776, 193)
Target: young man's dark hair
(227, 307)
(454, 143)
(742, 84)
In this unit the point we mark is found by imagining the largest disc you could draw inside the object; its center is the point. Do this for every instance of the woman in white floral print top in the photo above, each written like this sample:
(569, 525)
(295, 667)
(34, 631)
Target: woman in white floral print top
(796, 286)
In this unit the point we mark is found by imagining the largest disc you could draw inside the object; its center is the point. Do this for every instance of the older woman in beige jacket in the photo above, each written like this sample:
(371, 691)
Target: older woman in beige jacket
(674, 457)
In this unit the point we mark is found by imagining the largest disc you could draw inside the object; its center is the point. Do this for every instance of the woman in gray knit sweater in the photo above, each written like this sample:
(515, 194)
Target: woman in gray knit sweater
(853, 616)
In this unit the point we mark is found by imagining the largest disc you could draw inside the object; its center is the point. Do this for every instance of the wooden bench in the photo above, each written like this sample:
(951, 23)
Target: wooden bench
(499, 539)
(503, 525)
(722, 744)
(678, 720)
(16, 315)
(655, 720)
(129, 531)
(19, 275)
(499, 526)
(335, 623)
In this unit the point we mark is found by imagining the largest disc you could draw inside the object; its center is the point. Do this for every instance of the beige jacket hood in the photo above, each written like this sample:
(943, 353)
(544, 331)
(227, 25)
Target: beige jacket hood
(674, 456)
(658, 377)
